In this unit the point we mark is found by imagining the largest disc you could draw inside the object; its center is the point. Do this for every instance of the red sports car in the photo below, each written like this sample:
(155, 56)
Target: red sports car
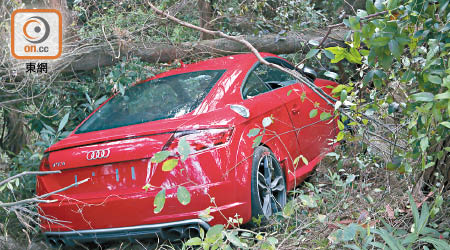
(245, 124)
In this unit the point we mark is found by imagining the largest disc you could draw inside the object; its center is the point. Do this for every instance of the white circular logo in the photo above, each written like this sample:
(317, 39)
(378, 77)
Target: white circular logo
(98, 154)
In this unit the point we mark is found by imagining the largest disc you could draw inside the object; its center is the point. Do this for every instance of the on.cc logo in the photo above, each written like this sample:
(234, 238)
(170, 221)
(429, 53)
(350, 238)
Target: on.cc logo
(36, 34)
(40, 28)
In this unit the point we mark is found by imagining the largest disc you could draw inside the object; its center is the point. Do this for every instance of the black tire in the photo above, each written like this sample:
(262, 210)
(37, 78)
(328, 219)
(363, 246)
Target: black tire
(267, 199)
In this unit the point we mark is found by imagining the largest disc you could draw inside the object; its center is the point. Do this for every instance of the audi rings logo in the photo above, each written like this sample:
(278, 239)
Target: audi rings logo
(98, 154)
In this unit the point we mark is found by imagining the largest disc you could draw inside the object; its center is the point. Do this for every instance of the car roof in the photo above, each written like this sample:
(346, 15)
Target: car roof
(225, 62)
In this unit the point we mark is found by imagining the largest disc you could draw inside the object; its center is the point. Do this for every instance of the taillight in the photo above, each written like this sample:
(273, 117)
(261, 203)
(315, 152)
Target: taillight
(45, 165)
(200, 139)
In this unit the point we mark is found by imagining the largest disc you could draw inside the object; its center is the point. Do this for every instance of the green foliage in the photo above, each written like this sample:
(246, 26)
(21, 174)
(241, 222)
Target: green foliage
(184, 149)
(356, 237)
(170, 164)
(183, 195)
(160, 200)
(217, 237)
(408, 52)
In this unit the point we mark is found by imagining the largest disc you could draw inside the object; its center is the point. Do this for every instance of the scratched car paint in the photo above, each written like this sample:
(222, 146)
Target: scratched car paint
(113, 153)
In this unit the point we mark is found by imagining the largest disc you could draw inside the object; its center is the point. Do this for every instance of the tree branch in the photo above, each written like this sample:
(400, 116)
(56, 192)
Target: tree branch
(366, 18)
(28, 173)
(41, 197)
(241, 40)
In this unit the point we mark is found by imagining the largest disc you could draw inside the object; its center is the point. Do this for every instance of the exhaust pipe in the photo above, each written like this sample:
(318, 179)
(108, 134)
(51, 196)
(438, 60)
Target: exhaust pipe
(191, 231)
(175, 233)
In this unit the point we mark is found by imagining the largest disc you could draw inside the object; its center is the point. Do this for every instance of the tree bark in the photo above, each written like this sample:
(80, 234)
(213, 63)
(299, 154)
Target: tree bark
(61, 5)
(15, 137)
(206, 14)
(440, 172)
(93, 57)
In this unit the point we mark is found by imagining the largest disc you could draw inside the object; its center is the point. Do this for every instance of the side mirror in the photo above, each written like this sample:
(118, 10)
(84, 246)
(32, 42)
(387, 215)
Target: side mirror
(309, 72)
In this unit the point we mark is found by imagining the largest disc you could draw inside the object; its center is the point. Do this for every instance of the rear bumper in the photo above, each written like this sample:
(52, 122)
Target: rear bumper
(171, 231)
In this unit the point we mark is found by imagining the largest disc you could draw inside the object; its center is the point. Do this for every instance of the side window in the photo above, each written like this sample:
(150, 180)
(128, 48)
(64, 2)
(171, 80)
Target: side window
(254, 86)
(265, 78)
(269, 74)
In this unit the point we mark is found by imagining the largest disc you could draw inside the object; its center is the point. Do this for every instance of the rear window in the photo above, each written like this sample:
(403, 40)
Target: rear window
(158, 99)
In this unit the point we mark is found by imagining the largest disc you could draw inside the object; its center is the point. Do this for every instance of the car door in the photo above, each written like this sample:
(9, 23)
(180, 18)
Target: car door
(314, 135)
(265, 97)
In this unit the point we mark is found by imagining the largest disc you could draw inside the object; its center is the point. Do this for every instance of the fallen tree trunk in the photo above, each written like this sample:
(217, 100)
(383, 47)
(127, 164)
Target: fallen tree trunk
(94, 57)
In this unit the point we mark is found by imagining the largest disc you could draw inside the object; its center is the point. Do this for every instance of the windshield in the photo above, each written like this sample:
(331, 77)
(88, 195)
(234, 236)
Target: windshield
(158, 99)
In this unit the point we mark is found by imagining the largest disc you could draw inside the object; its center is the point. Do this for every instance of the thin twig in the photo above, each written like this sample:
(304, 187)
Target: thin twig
(366, 18)
(39, 198)
(28, 173)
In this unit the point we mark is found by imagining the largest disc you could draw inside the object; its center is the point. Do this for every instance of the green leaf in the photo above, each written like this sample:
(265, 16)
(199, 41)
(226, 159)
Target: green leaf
(341, 125)
(414, 210)
(235, 240)
(63, 122)
(146, 187)
(424, 144)
(423, 219)
(289, 209)
(343, 95)
(331, 75)
(423, 97)
(159, 201)
(313, 113)
(160, 156)
(214, 233)
(324, 116)
(349, 232)
(169, 164)
(289, 92)
(357, 40)
(196, 241)
(353, 56)
(386, 62)
(338, 52)
(257, 141)
(389, 239)
(392, 4)
(435, 79)
(311, 53)
(340, 136)
(445, 124)
(308, 201)
(370, 7)
(253, 132)
(304, 160)
(296, 160)
(267, 121)
(380, 41)
(394, 48)
(183, 195)
(184, 149)
(354, 23)
(445, 95)
(328, 54)
(338, 88)
(437, 243)
(303, 96)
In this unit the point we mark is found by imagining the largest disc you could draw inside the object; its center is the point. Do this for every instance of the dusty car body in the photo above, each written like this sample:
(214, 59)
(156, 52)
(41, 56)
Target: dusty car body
(215, 104)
